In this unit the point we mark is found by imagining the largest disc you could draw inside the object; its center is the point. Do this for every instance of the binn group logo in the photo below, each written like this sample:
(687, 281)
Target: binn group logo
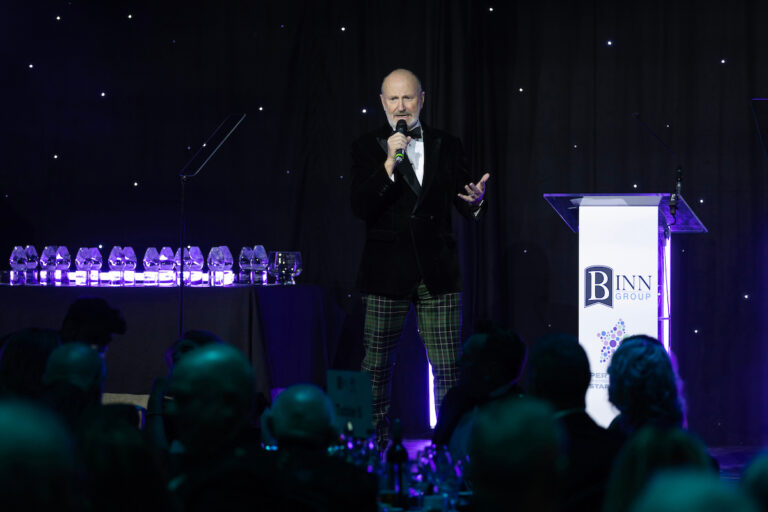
(603, 286)
(597, 286)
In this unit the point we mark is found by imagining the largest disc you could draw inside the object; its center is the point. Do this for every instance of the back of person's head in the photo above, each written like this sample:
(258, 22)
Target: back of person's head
(754, 480)
(78, 365)
(302, 415)
(189, 341)
(558, 371)
(493, 357)
(515, 455)
(644, 385)
(212, 391)
(74, 381)
(37, 460)
(91, 320)
(23, 359)
(118, 458)
(649, 450)
(691, 491)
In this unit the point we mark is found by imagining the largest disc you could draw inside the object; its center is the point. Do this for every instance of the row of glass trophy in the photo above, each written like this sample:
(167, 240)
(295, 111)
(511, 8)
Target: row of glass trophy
(162, 268)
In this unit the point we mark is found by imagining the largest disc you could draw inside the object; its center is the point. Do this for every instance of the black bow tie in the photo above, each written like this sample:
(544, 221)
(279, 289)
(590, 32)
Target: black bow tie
(414, 133)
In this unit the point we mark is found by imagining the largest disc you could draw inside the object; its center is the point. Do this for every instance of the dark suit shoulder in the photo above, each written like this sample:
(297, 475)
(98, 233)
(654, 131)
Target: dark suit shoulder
(436, 132)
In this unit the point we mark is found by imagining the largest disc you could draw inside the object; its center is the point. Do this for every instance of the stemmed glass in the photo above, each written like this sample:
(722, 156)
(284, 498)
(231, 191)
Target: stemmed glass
(284, 266)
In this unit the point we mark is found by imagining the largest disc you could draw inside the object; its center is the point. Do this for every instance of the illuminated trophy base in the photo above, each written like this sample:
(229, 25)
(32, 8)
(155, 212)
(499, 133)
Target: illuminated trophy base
(624, 269)
(169, 278)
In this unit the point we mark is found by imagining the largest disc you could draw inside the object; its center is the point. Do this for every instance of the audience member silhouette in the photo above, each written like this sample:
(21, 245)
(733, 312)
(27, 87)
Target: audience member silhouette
(302, 421)
(491, 364)
(691, 491)
(156, 422)
(302, 416)
(188, 341)
(23, 359)
(91, 320)
(648, 451)
(515, 456)
(123, 474)
(754, 480)
(74, 381)
(644, 386)
(300, 475)
(212, 391)
(37, 460)
(558, 372)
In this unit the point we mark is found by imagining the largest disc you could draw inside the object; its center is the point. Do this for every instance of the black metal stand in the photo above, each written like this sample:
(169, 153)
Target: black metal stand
(182, 229)
(190, 170)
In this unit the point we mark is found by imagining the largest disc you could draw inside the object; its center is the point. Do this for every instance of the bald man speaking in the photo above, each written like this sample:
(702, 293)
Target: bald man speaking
(404, 183)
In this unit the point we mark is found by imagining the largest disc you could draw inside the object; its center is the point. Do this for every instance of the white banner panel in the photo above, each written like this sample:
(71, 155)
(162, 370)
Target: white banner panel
(618, 287)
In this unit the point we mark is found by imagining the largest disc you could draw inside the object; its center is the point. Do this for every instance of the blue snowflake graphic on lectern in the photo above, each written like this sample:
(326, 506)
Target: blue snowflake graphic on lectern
(611, 339)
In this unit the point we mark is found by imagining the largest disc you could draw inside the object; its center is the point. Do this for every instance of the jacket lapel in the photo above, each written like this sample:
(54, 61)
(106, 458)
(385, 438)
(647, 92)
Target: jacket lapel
(431, 160)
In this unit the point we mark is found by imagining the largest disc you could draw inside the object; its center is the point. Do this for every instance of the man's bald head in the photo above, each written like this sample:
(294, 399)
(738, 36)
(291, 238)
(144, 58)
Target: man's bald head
(402, 74)
(213, 391)
(303, 414)
(217, 369)
(77, 364)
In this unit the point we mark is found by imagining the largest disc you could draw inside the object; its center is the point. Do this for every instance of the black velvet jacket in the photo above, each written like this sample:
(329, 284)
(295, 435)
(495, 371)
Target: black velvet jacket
(409, 236)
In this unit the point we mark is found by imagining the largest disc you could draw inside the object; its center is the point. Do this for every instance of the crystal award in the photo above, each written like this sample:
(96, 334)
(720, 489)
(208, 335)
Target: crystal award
(116, 262)
(245, 262)
(18, 263)
(83, 266)
(167, 274)
(151, 263)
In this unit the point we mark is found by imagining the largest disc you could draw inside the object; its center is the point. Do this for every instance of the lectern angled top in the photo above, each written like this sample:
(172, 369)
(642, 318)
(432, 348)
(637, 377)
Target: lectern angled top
(684, 220)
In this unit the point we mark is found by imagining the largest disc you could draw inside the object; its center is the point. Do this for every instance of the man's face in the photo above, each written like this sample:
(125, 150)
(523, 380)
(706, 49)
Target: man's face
(401, 99)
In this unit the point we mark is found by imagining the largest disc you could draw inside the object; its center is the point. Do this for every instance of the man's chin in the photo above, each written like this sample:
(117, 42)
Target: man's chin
(410, 121)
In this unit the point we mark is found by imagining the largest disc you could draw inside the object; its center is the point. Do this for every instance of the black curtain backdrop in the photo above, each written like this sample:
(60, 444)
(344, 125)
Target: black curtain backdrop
(539, 97)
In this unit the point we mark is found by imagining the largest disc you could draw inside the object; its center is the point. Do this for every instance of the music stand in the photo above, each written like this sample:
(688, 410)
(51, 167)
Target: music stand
(191, 169)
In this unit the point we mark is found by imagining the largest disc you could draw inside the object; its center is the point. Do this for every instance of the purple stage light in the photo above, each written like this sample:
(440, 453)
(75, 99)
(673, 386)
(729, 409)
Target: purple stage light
(432, 412)
(666, 297)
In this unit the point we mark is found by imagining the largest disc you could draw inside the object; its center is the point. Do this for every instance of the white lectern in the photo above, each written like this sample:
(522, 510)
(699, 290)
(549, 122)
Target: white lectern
(624, 269)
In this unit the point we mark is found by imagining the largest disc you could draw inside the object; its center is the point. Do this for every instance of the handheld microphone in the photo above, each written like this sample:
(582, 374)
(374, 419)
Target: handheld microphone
(402, 127)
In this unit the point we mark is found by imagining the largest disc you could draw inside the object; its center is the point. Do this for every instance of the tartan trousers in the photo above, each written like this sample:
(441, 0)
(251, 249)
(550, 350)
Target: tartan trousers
(439, 320)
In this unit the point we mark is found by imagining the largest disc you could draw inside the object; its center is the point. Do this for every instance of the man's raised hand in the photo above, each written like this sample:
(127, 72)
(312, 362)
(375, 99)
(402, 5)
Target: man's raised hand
(475, 191)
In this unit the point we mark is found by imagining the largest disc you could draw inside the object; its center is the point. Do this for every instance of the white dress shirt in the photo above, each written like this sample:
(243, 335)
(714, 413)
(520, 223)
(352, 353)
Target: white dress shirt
(415, 152)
